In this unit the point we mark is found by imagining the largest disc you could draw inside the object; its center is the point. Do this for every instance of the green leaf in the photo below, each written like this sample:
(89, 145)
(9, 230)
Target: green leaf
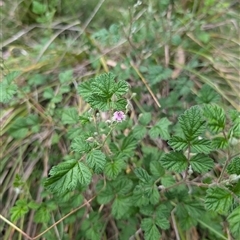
(218, 200)
(121, 87)
(160, 129)
(207, 95)
(192, 123)
(128, 146)
(120, 206)
(234, 166)
(96, 160)
(122, 185)
(201, 163)
(106, 195)
(104, 85)
(66, 76)
(48, 93)
(201, 145)
(19, 210)
(7, 88)
(120, 104)
(145, 118)
(156, 169)
(70, 116)
(42, 215)
(234, 222)
(167, 181)
(66, 175)
(140, 197)
(219, 143)
(39, 8)
(113, 168)
(150, 230)
(178, 143)
(216, 117)
(80, 145)
(85, 90)
(139, 132)
(19, 128)
(142, 175)
(174, 161)
(98, 102)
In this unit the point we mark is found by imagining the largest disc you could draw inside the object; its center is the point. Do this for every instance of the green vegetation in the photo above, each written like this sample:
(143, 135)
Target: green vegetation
(120, 120)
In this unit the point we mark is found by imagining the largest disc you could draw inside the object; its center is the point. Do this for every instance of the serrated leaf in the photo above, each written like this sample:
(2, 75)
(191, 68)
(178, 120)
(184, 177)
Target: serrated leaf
(234, 166)
(122, 185)
(140, 198)
(167, 181)
(218, 199)
(174, 161)
(139, 132)
(178, 143)
(66, 175)
(7, 90)
(207, 95)
(156, 169)
(219, 143)
(142, 175)
(70, 116)
(128, 146)
(201, 145)
(234, 222)
(42, 215)
(96, 160)
(121, 87)
(201, 163)
(19, 210)
(160, 129)
(104, 85)
(192, 123)
(120, 206)
(163, 223)
(105, 195)
(120, 104)
(151, 232)
(216, 117)
(112, 169)
(145, 118)
(66, 76)
(99, 102)
(19, 128)
(85, 90)
(80, 145)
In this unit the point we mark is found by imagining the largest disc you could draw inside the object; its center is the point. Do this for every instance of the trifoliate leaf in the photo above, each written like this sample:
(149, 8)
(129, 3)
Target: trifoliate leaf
(234, 166)
(178, 143)
(145, 118)
(216, 117)
(234, 222)
(201, 145)
(207, 95)
(96, 160)
(150, 230)
(120, 206)
(112, 169)
(66, 175)
(218, 200)
(192, 123)
(160, 129)
(70, 116)
(174, 161)
(142, 175)
(19, 210)
(156, 169)
(201, 163)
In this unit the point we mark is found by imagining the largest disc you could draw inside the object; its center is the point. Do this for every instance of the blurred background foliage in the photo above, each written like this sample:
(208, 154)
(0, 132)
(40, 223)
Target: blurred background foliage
(187, 51)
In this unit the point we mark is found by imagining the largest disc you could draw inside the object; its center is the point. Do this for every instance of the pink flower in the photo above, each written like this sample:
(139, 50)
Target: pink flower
(119, 116)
